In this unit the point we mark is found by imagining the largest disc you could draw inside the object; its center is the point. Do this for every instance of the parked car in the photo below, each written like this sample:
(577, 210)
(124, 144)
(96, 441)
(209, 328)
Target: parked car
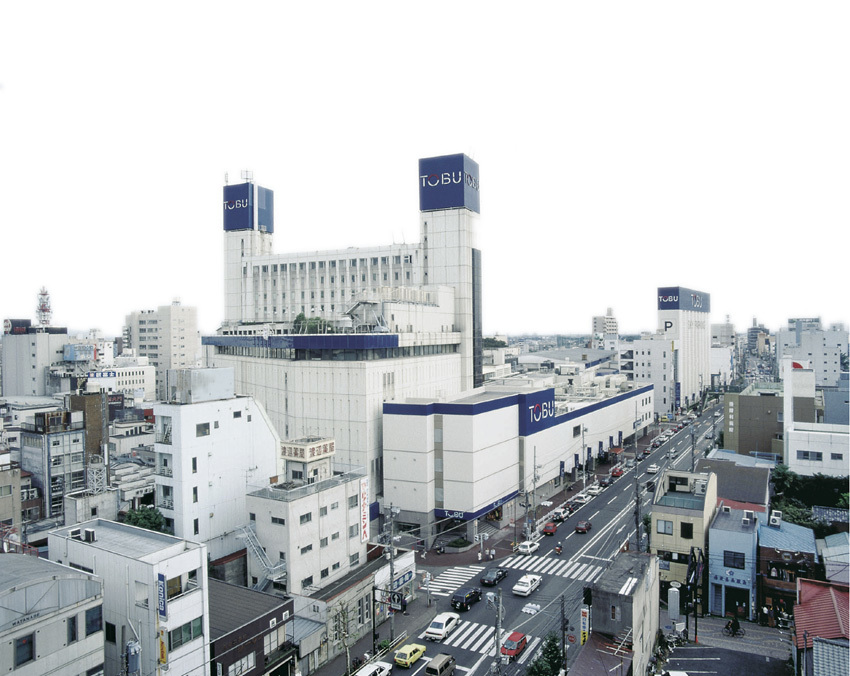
(514, 645)
(464, 597)
(647, 452)
(583, 526)
(657, 442)
(441, 626)
(617, 471)
(606, 481)
(580, 500)
(527, 584)
(408, 654)
(595, 489)
(493, 576)
(550, 528)
(630, 463)
(527, 547)
(653, 469)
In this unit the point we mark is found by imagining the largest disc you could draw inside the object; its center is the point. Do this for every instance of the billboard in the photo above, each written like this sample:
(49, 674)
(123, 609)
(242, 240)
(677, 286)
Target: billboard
(265, 209)
(364, 509)
(448, 182)
(536, 411)
(239, 207)
(161, 597)
(16, 326)
(680, 298)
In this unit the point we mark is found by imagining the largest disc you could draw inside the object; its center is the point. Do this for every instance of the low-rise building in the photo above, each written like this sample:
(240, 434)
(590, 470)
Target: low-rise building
(51, 618)
(154, 596)
(682, 510)
(250, 632)
(732, 563)
(787, 552)
(625, 601)
(820, 613)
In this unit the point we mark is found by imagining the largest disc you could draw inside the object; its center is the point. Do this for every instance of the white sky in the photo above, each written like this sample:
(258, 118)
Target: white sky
(622, 147)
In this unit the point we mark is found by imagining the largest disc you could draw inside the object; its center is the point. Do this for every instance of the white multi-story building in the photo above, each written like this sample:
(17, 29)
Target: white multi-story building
(212, 447)
(605, 332)
(651, 359)
(28, 353)
(820, 350)
(155, 605)
(130, 375)
(168, 336)
(810, 447)
(51, 618)
(409, 316)
(470, 458)
(316, 521)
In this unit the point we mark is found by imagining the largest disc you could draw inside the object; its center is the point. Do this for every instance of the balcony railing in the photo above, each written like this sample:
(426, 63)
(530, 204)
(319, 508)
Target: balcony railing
(164, 471)
(165, 503)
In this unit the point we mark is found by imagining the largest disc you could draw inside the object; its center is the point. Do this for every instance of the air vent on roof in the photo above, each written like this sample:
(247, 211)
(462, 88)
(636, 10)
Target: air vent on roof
(726, 510)
(75, 534)
(272, 622)
(88, 535)
(745, 521)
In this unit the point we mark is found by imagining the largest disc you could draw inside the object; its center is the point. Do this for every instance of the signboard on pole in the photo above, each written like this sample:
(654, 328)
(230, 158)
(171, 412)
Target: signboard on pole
(364, 509)
(585, 624)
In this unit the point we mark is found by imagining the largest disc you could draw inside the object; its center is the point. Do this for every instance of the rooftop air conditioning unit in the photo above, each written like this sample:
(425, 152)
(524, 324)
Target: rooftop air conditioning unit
(699, 488)
(745, 521)
(75, 534)
(775, 520)
(272, 623)
(776, 513)
(726, 510)
(88, 535)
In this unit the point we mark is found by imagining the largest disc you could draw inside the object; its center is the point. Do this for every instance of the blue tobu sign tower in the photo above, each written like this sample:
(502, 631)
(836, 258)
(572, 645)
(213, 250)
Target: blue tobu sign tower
(448, 182)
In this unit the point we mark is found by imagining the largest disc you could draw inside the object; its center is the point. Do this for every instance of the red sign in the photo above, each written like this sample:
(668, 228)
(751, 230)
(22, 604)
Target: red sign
(571, 638)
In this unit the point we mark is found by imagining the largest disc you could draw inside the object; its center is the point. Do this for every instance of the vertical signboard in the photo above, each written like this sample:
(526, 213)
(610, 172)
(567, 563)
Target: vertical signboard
(239, 207)
(585, 623)
(364, 509)
(265, 209)
(448, 182)
(161, 597)
(163, 647)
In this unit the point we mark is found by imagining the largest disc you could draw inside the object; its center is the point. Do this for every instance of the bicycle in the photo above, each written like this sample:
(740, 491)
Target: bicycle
(727, 630)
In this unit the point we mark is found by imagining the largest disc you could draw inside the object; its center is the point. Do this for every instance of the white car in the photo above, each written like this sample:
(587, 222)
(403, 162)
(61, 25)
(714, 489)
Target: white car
(595, 489)
(441, 626)
(527, 584)
(652, 469)
(527, 547)
(375, 669)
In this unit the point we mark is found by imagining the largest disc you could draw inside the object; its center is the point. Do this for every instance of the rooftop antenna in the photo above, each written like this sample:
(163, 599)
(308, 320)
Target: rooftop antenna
(225, 178)
(42, 310)
(248, 175)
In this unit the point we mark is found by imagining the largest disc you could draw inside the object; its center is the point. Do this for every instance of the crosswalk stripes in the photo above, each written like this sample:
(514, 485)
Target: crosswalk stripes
(446, 582)
(544, 565)
(479, 638)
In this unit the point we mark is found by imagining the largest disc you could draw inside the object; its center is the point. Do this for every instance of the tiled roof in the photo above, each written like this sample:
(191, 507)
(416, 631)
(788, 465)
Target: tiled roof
(821, 611)
(830, 657)
(737, 482)
(789, 537)
(735, 504)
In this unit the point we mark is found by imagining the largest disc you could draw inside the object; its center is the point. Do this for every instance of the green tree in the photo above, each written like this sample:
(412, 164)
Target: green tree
(148, 518)
(492, 342)
(784, 480)
(550, 660)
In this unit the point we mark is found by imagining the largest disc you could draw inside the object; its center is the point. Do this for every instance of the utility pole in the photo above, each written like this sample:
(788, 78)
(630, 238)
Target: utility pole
(494, 600)
(393, 511)
(583, 460)
(637, 488)
(693, 449)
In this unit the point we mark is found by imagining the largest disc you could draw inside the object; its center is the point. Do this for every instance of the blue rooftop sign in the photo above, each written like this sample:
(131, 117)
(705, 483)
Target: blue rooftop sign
(448, 182)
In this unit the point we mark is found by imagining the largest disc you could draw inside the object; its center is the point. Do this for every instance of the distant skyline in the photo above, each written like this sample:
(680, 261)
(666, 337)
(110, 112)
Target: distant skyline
(622, 148)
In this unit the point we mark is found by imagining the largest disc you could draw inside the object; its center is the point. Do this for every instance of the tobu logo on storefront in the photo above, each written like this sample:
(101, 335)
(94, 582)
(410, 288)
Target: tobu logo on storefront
(536, 411)
(448, 182)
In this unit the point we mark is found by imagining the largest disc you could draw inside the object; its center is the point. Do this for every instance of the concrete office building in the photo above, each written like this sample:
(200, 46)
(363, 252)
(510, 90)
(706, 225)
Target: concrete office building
(132, 376)
(312, 527)
(605, 332)
(53, 449)
(406, 317)
(50, 618)
(155, 607)
(805, 342)
(211, 448)
(167, 336)
(467, 460)
(28, 353)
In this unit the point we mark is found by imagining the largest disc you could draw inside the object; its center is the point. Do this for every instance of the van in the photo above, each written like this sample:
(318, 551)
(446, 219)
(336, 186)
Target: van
(440, 665)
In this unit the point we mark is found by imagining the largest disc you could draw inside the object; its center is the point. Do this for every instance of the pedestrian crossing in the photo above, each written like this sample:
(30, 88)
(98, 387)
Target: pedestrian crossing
(449, 580)
(547, 565)
(452, 579)
(480, 638)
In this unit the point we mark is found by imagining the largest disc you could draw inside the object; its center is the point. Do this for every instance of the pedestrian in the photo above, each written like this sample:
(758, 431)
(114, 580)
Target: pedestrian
(479, 556)
(492, 554)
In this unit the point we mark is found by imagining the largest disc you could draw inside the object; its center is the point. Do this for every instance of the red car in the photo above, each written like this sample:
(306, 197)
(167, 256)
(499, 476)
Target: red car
(617, 471)
(514, 645)
(583, 526)
(550, 528)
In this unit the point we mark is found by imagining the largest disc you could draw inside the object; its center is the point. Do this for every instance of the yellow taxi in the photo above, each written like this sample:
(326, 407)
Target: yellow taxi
(408, 654)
